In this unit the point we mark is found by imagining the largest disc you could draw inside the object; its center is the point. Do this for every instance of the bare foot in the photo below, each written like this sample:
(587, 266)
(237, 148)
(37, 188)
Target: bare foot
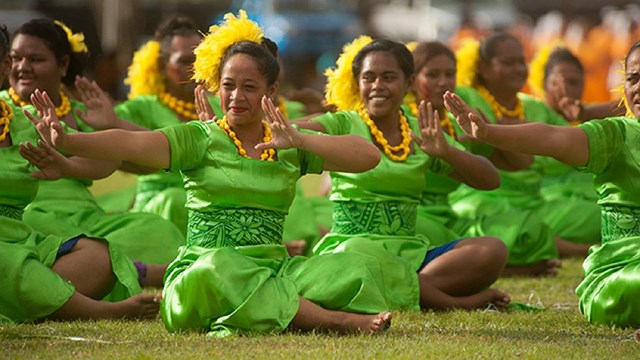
(570, 249)
(296, 247)
(365, 324)
(483, 299)
(155, 275)
(143, 306)
(542, 268)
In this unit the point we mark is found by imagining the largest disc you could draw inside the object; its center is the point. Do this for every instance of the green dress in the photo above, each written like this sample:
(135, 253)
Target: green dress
(234, 275)
(67, 204)
(162, 192)
(375, 212)
(30, 289)
(610, 291)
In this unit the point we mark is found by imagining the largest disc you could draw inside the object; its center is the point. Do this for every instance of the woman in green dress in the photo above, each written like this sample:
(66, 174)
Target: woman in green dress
(234, 276)
(46, 55)
(47, 276)
(375, 212)
(608, 149)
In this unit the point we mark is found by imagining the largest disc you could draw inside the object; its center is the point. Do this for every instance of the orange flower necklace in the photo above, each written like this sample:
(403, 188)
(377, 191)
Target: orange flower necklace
(389, 150)
(499, 110)
(61, 111)
(267, 154)
(180, 107)
(6, 114)
(445, 123)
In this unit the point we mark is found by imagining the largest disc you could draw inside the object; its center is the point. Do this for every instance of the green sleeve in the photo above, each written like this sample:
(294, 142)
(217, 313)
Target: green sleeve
(606, 140)
(214, 101)
(338, 123)
(137, 111)
(188, 144)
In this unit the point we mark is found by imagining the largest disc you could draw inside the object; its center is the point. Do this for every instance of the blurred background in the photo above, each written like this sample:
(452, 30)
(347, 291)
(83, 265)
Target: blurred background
(310, 33)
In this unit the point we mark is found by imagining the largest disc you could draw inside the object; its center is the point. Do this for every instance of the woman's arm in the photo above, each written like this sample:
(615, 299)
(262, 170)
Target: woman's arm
(344, 153)
(566, 144)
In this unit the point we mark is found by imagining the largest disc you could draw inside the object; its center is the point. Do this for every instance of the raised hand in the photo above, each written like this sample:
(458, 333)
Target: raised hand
(284, 135)
(472, 124)
(203, 108)
(50, 162)
(46, 122)
(431, 139)
(570, 108)
(100, 114)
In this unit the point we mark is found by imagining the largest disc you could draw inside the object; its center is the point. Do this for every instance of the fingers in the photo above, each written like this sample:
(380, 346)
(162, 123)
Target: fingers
(34, 118)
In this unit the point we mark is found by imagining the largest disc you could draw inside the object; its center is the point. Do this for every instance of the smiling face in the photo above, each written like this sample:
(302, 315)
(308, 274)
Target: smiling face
(242, 87)
(382, 85)
(507, 69)
(572, 77)
(436, 77)
(179, 66)
(35, 67)
(632, 81)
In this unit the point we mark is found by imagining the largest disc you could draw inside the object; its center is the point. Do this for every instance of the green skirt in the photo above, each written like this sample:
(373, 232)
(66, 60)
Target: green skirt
(247, 289)
(30, 289)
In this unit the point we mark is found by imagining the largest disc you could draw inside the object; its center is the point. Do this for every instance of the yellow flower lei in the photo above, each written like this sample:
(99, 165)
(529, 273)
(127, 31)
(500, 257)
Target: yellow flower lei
(267, 154)
(445, 122)
(467, 58)
(342, 88)
(536, 69)
(180, 107)
(206, 68)
(61, 111)
(6, 114)
(389, 150)
(143, 74)
(499, 110)
(75, 40)
(623, 98)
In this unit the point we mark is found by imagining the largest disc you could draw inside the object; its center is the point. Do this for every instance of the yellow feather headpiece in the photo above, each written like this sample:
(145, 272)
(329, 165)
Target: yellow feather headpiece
(623, 95)
(144, 75)
(76, 40)
(206, 68)
(411, 45)
(342, 88)
(536, 69)
(467, 58)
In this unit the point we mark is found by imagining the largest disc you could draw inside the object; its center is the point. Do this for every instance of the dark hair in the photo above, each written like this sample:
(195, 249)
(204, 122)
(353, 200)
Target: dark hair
(55, 38)
(398, 50)
(167, 30)
(561, 55)
(4, 40)
(634, 47)
(267, 63)
(429, 50)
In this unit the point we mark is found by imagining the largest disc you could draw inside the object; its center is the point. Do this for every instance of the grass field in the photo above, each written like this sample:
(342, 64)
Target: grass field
(557, 332)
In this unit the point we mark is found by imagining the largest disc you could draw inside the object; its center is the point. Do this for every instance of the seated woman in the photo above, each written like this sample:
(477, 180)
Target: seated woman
(375, 212)
(46, 276)
(608, 149)
(234, 276)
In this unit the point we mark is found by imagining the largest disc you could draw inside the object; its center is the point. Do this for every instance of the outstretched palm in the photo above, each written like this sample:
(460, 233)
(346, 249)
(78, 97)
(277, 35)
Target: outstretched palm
(99, 114)
(431, 139)
(472, 123)
(50, 162)
(46, 121)
(284, 135)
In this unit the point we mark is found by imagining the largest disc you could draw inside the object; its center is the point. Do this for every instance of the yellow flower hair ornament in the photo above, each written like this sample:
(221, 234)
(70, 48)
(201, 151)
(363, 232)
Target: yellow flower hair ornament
(76, 40)
(206, 68)
(536, 69)
(467, 58)
(411, 45)
(623, 95)
(342, 88)
(144, 75)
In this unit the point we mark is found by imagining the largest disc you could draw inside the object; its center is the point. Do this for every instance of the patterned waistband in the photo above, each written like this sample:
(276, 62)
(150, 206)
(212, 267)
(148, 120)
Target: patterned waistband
(620, 222)
(384, 218)
(12, 212)
(234, 227)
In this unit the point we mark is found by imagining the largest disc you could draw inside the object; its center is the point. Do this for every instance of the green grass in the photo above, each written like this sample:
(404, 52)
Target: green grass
(559, 331)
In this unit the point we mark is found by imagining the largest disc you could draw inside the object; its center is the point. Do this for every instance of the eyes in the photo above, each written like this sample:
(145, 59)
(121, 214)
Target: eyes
(31, 58)
(370, 77)
(230, 86)
(435, 74)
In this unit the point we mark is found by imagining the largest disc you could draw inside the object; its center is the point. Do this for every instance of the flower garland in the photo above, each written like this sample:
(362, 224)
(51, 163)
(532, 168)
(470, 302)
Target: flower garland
(499, 110)
(75, 40)
(6, 114)
(267, 154)
(537, 66)
(143, 75)
(389, 150)
(61, 111)
(445, 122)
(180, 107)
(467, 58)
(206, 68)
